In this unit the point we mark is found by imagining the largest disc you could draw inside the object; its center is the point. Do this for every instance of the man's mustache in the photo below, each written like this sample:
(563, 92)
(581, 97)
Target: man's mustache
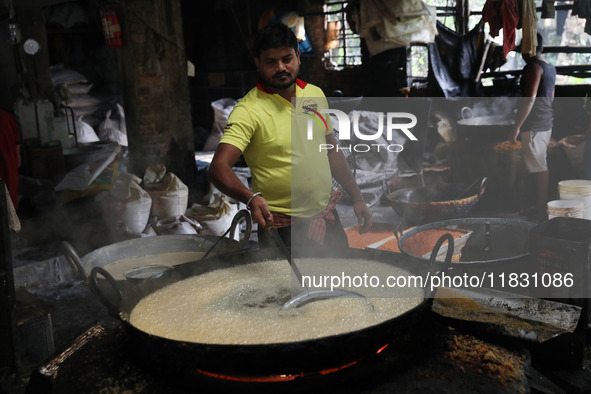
(278, 75)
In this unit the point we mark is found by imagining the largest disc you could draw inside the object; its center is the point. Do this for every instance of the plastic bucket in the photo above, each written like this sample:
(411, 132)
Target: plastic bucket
(566, 208)
(576, 189)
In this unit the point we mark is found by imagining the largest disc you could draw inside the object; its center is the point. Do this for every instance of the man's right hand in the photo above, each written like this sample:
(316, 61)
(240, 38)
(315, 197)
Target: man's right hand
(259, 210)
(513, 135)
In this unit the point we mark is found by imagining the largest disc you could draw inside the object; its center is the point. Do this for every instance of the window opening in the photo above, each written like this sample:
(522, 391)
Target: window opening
(418, 56)
(343, 46)
(446, 12)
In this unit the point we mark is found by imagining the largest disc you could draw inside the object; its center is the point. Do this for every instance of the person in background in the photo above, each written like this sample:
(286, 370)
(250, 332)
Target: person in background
(534, 121)
(259, 128)
(10, 154)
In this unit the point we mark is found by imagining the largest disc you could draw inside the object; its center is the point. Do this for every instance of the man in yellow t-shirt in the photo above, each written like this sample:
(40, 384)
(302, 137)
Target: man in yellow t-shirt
(291, 175)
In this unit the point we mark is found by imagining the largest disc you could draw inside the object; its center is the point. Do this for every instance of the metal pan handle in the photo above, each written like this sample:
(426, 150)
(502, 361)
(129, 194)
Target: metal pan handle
(74, 260)
(448, 256)
(467, 113)
(482, 187)
(243, 214)
(113, 307)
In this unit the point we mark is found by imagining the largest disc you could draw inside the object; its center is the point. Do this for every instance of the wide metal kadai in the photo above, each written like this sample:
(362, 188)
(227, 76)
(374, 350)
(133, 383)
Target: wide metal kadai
(490, 240)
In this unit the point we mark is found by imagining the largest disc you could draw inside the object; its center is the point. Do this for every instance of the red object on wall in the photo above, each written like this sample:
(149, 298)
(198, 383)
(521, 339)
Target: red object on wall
(112, 28)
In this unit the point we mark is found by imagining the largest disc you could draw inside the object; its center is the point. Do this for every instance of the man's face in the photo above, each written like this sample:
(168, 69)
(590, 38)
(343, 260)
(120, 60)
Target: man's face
(278, 67)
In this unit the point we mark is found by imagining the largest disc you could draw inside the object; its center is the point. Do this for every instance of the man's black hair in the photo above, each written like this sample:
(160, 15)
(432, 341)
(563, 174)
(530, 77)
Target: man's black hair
(274, 36)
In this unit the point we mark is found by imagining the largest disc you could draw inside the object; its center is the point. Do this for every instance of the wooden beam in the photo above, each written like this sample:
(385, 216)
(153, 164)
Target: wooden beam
(39, 3)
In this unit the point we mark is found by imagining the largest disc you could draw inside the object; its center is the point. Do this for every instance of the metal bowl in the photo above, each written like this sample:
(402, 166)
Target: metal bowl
(425, 204)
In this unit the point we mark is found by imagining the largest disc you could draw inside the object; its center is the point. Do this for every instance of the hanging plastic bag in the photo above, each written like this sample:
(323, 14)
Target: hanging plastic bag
(84, 132)
(109, 130)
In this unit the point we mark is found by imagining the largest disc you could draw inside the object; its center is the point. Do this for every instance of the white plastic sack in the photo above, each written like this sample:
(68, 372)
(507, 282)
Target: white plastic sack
(421, 29)
(122, 126)
(127, 206)
(216, 217)
(86, 111)
(83, 100)
(391, 24)
(108, 130)
(82, 176)
(13, 221)
(80, 88)
(176, 225)
(221, 112)
(60, 74)
(169, 194)
(85, 132)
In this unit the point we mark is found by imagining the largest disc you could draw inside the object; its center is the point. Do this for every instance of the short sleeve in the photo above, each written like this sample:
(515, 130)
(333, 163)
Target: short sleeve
(239, 128)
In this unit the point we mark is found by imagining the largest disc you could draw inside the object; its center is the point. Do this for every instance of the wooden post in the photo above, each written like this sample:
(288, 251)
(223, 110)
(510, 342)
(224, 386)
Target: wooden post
(156, 88)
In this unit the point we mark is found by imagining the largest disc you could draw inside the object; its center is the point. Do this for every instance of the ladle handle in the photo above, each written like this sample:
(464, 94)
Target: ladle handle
(275, 234)
(113, 307)
(73, 259)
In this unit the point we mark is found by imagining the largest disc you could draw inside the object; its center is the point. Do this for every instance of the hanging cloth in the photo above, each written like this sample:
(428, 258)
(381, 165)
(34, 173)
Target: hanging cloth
(455, 60)
(582, 8)
(529, 28)
(548, 9)
(503, 15)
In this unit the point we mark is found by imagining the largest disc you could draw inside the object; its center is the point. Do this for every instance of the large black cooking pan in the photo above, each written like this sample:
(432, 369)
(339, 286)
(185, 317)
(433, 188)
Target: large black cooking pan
(184, 360)
(495, 128)
(425, 204)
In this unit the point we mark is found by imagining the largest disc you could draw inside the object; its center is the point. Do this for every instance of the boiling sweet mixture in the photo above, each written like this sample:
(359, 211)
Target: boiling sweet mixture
(241, 305)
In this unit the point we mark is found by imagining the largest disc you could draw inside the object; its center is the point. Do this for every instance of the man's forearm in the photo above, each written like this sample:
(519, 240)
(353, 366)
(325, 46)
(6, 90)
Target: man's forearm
(342, 173)
(223, 177)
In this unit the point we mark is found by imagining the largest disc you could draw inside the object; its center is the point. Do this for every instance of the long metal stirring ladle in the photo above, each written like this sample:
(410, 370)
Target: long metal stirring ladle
(308, 295)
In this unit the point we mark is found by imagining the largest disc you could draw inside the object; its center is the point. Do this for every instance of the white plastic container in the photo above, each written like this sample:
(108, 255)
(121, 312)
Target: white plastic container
(577, 189)
(566, 208)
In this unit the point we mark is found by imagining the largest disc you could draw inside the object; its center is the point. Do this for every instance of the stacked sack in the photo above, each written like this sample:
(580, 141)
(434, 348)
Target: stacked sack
(91, 125)
(126, 207)
(169, 194)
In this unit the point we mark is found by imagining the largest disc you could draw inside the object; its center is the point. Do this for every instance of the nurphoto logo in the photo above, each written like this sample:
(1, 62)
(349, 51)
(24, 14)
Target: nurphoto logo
(394, 121)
